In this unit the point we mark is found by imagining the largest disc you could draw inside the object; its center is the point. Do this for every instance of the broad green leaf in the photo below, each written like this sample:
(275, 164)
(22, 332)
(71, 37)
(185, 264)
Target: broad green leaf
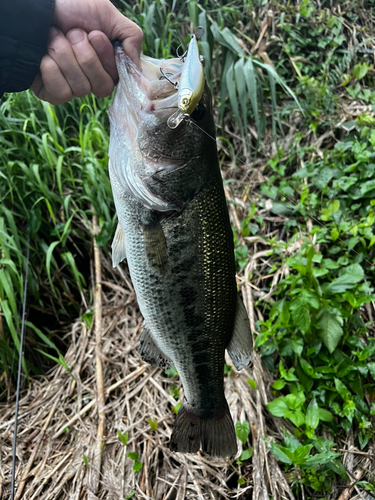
(278, 407)
(368, 186)
(287, 375)
(310, 298)
(297, 417)
(325, 415)
(299, 455)
(371, 369)
(153, 424)
(177, 407)
(355, 270)
(320, 459)
(123, 437)
(368, 486)
(133, 456)
(306, 367)
(226, 38)
(279, 384)
(291, 442)
(246, 454)
(231, 86)
(352, 276)
(349, 409)
(271, 71)
(252, 383)
(294, 401)
(312, 414)
(223, 84)
(330, 328)
(363, 438)
(297, 345)
(360, 70)
(337, 467)
(282, 454)
(205, 50)
(300, 313)
(137, 466)
(242, 431)
(342, 390)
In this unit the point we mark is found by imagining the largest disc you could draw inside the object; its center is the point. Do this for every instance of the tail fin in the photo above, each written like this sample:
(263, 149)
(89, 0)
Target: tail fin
(215, 436)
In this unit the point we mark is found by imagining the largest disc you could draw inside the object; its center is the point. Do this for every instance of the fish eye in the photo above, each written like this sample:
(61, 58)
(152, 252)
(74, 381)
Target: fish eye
(199, 112)
(185, 101)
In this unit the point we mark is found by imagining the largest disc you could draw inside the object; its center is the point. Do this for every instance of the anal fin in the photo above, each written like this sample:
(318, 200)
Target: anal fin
(150, 352)
(240, 347)
(118, 246)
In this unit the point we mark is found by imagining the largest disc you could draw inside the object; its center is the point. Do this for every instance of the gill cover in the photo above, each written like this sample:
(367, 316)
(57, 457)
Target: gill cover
(136, 91)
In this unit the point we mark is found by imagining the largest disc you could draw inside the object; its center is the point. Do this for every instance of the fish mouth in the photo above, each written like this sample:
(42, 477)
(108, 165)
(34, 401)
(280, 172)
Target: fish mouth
(156, 83)
(150, 97)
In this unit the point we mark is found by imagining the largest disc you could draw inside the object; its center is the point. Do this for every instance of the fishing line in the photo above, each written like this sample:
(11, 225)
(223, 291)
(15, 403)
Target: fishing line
(286, 196)
(20, 367)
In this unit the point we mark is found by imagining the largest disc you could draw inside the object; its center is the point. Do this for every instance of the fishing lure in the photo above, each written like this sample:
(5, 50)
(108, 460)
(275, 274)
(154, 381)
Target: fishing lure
(191, 85)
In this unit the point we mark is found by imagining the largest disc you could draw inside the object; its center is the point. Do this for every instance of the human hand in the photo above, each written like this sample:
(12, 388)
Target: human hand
(80, 56)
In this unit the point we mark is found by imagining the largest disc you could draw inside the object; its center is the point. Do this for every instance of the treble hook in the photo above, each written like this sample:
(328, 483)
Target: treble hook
(199, 32)
(175, 84)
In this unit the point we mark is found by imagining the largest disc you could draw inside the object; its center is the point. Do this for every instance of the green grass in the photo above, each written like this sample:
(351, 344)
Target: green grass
(54, 177)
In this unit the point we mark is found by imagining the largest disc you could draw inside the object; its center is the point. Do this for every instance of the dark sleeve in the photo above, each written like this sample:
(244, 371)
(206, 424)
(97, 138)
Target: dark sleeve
(24, 26)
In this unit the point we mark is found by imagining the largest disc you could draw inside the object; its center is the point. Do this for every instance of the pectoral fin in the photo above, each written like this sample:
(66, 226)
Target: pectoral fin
(150, 352)
(118, 247)
(156, 246)
(241, 345)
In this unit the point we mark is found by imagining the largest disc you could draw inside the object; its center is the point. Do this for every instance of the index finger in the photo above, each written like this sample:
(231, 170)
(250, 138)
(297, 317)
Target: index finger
(104, 50)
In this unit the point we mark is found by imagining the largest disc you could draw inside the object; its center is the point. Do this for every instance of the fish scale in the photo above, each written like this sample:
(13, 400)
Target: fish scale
(196, 294)
(175, 232)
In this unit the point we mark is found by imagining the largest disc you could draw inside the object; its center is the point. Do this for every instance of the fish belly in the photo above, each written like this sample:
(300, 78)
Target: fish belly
(187, 293)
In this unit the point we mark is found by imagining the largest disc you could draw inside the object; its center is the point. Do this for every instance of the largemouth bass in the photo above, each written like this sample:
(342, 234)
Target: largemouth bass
(175, 232)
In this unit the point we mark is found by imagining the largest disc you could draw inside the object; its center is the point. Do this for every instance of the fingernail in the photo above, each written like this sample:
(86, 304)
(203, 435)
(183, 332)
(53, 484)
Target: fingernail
(98, 43)
(75, 36)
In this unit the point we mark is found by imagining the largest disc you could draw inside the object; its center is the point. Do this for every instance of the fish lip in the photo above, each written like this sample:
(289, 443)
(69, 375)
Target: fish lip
(161, 108)
(149, 105)
(124, 61)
